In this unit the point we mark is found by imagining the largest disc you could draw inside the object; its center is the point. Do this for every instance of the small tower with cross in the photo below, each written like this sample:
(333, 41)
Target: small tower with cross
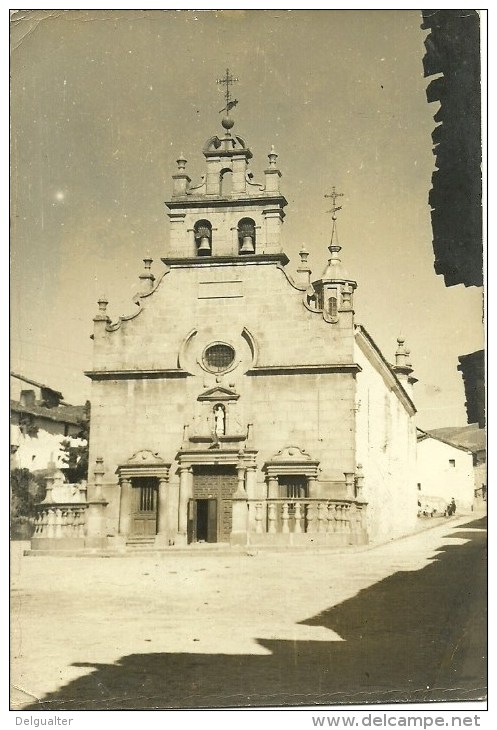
(334, 291)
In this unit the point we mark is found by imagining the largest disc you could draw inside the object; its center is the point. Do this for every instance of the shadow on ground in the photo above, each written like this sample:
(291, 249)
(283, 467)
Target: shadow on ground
(415, 636)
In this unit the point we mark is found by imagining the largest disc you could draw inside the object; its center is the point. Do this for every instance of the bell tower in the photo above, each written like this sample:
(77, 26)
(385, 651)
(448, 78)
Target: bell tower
(226, 215)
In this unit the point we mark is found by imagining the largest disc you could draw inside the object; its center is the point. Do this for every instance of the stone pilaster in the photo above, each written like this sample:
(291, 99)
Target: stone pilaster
(239, 525)
(185, 494)
(250, 481)
(273, 488)
(312, 486)
(125, 507)
(162, 517)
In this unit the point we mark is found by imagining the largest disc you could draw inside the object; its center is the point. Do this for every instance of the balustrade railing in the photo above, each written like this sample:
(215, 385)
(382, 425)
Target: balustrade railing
(60, 520)
(296, 516)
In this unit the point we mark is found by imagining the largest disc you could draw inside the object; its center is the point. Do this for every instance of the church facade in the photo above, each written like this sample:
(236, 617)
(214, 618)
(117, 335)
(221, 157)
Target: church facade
(238, 404)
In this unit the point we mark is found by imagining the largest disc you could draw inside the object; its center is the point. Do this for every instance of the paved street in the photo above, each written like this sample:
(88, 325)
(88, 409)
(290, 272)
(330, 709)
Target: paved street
(403, 621)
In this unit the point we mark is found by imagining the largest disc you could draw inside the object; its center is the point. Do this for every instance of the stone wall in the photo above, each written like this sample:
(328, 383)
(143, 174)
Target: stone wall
(386, 447)
(445, 471)
(262, 316)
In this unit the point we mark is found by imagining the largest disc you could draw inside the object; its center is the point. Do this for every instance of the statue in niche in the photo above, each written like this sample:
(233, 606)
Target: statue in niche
(219, 420)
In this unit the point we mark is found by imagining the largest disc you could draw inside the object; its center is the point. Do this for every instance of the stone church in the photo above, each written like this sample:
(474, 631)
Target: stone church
(239, 404)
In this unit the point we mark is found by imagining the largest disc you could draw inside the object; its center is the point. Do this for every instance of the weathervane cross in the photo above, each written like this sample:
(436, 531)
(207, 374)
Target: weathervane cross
(229, 80)
(334, 195)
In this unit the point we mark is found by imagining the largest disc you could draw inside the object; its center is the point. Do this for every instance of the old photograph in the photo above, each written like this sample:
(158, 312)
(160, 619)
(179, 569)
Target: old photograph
(247, 375)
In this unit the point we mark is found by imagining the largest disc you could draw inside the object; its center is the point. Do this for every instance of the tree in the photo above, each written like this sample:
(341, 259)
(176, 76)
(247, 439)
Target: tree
(26, 490)
(76, 457)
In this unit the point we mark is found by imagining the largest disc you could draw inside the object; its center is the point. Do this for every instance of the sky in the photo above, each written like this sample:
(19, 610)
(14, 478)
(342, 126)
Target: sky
(103, 103)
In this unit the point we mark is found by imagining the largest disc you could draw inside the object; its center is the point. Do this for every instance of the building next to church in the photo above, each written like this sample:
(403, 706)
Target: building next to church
(238, 404)
(41, 421)
(451, 464)
(444, 473)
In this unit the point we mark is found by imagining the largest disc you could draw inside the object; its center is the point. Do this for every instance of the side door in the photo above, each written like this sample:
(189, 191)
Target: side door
(144, 514)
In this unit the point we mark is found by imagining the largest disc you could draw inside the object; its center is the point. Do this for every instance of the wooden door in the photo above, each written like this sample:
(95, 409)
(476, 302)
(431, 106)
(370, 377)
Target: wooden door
(212, 520)
(216, 485)
(144, 510)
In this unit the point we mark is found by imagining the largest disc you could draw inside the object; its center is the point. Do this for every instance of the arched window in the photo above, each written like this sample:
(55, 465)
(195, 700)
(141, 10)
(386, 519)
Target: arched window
(226, 182)
(203, 238)
(246, 236)
(332, 307)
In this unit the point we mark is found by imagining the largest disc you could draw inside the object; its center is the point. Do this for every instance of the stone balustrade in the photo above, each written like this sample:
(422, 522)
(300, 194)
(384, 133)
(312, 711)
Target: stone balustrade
(300, 518)
(58, 521)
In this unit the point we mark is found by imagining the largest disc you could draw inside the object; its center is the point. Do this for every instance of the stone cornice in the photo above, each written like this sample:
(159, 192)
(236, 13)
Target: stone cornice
(218, 201)
(376, 357)
(210, 261)
(229, 456)
(135, 374)
(351, 367)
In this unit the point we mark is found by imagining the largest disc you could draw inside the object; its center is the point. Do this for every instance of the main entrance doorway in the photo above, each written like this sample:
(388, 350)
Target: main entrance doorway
(210, 510)
(144, 506)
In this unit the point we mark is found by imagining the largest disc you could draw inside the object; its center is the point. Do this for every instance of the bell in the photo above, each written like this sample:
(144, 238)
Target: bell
(247, 245)
(204, 247)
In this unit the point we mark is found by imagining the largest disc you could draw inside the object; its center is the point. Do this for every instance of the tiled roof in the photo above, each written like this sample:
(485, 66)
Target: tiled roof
(60, 414)
(466, 437)
(36, 384)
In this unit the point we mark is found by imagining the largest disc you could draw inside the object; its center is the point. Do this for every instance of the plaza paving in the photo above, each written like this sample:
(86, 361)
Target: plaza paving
(402, 621)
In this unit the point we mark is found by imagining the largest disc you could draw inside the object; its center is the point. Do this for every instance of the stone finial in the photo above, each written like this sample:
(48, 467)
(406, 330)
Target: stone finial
(98, 473)
(99, 470)
(102, 305)
(181, 162)
(403, 367)
(181, 181)
(147, 277)
(272, 174)
(400, 353)
(304, 270)
(101, 315)
(272, 157)
(304, 255)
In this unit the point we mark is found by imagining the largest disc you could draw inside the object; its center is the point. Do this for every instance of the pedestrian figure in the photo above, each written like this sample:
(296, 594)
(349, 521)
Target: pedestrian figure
(453, 506)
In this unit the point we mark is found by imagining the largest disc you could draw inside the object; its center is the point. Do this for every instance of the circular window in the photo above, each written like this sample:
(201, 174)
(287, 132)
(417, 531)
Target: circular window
(218, 357)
